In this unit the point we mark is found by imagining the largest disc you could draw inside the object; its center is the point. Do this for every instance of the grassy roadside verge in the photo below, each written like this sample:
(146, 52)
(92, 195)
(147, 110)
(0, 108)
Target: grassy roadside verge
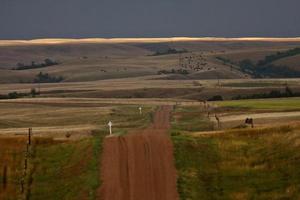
(56, 169)
(190, 119)
(69, 170)
(242, 164)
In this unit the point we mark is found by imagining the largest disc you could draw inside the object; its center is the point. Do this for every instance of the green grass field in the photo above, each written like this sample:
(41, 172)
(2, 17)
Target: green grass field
(239, 165)
(190, 119)
(260, 163)
(67, 170)
(255, 84)
(279, 104)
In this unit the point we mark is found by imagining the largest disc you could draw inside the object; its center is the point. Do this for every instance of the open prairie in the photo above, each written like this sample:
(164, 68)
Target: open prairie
(88, 61)
(191, 118)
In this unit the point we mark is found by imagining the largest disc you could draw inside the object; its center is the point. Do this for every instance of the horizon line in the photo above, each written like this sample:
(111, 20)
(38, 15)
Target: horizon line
(49, 41)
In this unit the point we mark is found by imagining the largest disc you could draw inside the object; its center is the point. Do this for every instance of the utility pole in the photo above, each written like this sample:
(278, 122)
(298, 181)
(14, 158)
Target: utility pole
(39, 87)
(218, 121)
(29, 136)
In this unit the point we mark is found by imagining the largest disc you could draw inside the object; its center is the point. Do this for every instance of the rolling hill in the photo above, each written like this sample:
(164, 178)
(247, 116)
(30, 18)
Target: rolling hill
(96, 59)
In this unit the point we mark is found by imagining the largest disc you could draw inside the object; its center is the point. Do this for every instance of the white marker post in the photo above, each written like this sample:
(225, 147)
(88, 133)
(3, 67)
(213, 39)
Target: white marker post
(110, 125)
(140, 108)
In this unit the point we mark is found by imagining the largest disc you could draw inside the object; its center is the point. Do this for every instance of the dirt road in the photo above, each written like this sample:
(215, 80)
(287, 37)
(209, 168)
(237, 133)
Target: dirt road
(140, 166)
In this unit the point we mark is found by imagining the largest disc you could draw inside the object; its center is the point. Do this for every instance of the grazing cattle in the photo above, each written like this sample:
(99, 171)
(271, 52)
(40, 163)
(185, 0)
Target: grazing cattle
(249, 121)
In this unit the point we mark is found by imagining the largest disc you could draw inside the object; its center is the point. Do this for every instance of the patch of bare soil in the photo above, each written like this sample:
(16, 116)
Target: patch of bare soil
(140, 165)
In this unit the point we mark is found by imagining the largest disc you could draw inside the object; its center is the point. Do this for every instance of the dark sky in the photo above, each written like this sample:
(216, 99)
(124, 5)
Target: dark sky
(27, 19)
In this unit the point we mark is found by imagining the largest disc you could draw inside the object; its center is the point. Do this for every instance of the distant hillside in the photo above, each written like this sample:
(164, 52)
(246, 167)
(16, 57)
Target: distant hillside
(279, 64)
(88, 61)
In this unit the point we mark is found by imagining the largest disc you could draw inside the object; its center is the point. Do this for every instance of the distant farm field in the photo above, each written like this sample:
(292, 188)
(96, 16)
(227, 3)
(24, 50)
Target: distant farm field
(57, 118)
(264, 104)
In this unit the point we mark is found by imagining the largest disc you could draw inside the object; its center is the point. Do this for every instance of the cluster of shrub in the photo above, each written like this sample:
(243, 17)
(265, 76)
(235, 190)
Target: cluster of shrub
(265, 68)
(224, 60)
(16, 95)
(169, 51)
(216, 98)
(174, 71)
(279, 55)
(272, 94)
(47, 78)
(13, 95)
(47, 62)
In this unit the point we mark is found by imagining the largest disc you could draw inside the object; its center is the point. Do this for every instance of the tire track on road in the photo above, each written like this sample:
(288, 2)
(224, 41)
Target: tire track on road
(140, 165)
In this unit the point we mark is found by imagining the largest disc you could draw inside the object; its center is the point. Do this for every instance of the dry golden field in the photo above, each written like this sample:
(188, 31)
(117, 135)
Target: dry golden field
(88, 61)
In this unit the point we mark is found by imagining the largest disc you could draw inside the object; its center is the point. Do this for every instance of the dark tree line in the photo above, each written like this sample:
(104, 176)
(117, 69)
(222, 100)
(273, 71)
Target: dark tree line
(174, 71)
(47, 78)
(47, 62)
(169, 51)
(268, 70)
(265, 68)
(272, 94)
(16, 95)
(279, 55)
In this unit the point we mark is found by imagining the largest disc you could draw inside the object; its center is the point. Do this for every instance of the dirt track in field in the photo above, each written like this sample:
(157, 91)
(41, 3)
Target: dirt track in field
(242, 117)
(140, 166)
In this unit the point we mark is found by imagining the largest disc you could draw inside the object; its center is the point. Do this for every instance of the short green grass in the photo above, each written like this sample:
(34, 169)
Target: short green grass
(190, 119)
(255, 84)
(264, 104)
(56, 170)
(257, 164)
(69, 170)
(260, 163)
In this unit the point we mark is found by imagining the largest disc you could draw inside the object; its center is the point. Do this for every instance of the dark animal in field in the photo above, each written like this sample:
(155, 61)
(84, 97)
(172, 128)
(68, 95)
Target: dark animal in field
(249, 121)
(68, 135)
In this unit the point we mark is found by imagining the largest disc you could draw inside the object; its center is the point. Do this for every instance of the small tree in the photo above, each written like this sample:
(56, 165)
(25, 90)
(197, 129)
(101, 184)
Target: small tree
(33, 92)
(216, 98)
(33, 63)
(13, 95)
(288, 91)
(49, 62)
